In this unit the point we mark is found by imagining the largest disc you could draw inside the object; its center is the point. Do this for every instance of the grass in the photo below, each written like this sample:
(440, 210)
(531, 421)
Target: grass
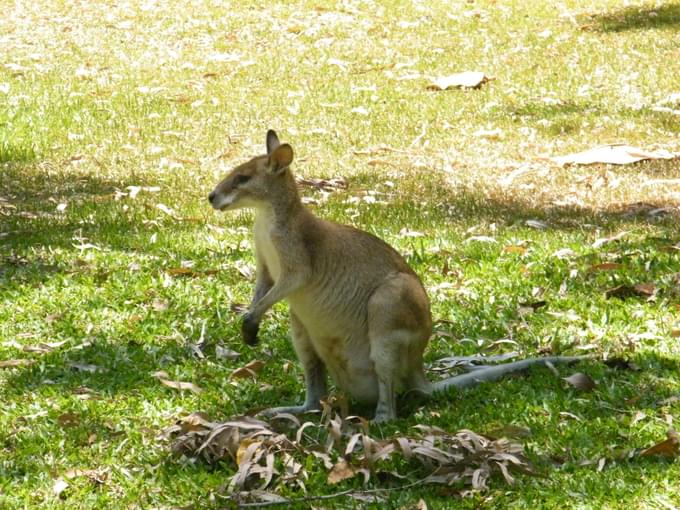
(98, 97)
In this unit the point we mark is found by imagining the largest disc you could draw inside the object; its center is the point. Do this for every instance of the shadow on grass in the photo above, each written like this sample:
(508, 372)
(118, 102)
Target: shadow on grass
(30, 195)
(91, 214)
(434, 200)
(543, 110)
(15, 153)
(105, 368)
(663, 17)
(559, 118)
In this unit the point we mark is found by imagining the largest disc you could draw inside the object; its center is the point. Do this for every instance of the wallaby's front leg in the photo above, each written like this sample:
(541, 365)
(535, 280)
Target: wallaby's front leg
(286, 285)
(263, 285)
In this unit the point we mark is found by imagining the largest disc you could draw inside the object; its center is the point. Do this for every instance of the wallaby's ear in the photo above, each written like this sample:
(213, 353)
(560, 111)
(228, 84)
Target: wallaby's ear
(281, 158)
(272, 141)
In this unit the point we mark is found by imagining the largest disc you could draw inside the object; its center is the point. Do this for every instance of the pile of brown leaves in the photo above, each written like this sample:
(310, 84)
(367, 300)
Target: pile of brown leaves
(272, 455)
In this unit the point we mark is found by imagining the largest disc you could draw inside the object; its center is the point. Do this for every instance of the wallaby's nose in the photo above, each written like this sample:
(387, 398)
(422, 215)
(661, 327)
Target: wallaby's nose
(211, 197)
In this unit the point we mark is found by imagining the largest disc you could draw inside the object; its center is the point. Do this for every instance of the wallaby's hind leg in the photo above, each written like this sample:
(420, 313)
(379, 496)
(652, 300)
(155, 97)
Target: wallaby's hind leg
(315, 371)
(399, 326)
(390, 356)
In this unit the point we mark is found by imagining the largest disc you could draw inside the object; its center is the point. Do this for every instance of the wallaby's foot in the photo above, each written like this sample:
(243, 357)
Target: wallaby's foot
(249, 329)
(384, 416)
(304, 408)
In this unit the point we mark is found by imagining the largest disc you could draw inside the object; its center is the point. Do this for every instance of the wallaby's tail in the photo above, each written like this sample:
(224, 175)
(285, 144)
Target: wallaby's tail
(496, 372)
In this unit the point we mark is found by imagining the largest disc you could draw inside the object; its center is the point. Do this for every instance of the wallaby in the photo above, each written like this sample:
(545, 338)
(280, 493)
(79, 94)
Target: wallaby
(358, 311)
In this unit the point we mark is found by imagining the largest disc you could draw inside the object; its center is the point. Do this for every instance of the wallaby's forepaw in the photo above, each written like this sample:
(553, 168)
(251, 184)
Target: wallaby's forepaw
(249, 329)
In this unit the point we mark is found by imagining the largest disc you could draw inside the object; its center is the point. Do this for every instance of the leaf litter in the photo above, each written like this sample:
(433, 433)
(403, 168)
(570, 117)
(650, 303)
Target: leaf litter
(465, 80)
(272, 455)
(15, 363)
(618, 154)
(668, 448)
(645, 290)
(580, 381)
(164, 378)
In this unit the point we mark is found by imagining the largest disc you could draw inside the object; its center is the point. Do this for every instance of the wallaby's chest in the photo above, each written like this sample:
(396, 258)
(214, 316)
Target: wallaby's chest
(264, 247)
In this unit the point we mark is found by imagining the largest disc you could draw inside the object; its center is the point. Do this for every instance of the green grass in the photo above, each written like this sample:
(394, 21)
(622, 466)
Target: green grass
(96, 97)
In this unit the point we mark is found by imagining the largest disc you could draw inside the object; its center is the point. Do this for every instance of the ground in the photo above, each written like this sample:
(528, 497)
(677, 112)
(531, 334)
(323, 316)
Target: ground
(118, 118)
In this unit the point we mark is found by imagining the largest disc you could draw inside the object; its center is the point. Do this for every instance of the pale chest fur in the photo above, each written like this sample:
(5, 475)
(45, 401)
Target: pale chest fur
(264, 248)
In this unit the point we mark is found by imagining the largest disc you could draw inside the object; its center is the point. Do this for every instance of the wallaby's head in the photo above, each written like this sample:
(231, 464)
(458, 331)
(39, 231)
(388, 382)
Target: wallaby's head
(257, 181)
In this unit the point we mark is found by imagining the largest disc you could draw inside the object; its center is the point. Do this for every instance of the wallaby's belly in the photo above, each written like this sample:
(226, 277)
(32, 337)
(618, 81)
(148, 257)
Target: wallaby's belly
(343, 346)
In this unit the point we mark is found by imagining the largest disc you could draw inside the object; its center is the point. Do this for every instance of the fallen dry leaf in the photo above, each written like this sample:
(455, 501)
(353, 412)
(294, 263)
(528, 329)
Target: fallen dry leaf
(571, 416)
(668, 401)
(467, 79)
(68, 420)
(625, 291)
(580, 381)
(480, 239)
(54, 317)
(43, 348)
(222, 352)
(521, 250)
(645, 289)
(195, 421)
(59, 487)
(489, 134)
(159, 305)
(606, 240)
(191, 273)
(611, 154)
(248, 371)
(637, 418)
(537, 224)
(606, 266)
(14, 363)
(564, 253)
(341, 471)
(133, 191)
(163, 377)
(668, 448)
(509, 431)
(246, 450)
(167, 210)
(675, 333)
(404, 232)
(98, 476)
(333, 184)
(246, 270)
(86, 367)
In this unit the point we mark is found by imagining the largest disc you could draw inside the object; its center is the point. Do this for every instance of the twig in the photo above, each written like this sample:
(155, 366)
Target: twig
(348, 492)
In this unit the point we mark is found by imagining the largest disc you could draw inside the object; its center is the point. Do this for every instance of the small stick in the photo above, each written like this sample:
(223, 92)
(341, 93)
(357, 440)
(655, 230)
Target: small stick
(328, 496)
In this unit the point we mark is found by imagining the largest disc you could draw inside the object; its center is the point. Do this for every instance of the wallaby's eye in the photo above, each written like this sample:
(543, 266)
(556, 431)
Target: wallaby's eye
(242, 179)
